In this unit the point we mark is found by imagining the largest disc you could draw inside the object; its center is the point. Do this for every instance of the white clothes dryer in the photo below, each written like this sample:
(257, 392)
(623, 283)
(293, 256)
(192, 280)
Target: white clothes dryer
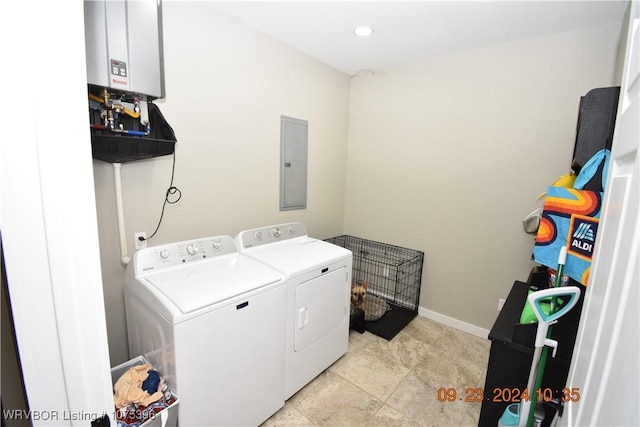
(212, 321)
(318, 277)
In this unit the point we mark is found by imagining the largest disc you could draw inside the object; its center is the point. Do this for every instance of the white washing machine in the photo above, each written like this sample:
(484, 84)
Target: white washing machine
(213, 322)
(318, 277)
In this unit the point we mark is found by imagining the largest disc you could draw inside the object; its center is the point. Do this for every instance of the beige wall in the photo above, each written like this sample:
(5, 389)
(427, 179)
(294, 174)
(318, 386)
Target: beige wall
(448, 155)
(226, 88)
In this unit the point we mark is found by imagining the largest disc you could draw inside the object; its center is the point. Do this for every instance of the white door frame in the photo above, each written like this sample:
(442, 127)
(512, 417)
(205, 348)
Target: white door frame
(48, 215)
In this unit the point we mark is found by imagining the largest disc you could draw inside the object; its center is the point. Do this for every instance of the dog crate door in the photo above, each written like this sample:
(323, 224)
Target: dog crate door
(320, 307)
(293, 163)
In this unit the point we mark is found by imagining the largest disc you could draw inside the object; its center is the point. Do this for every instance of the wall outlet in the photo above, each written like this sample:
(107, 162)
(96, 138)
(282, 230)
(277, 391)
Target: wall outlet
(140, 243)
(500, 303)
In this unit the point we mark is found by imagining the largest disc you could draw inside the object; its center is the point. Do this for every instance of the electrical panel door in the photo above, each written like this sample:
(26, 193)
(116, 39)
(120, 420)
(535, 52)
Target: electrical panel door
(293, 163)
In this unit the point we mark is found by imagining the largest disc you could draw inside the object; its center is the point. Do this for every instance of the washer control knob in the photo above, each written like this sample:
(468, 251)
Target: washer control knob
(276, 232)
(292, 229)
(258, 235)
(164, 254)
(192, 249)
(216, 244)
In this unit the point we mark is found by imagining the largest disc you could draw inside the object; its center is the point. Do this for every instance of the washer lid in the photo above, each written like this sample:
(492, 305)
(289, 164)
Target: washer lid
(197, 285)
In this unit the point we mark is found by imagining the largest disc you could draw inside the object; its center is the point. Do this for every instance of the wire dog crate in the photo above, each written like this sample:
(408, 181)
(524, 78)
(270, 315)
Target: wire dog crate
(392, 273)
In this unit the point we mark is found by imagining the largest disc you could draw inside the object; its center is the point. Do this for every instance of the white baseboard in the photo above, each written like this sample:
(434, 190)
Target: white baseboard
(454, 323)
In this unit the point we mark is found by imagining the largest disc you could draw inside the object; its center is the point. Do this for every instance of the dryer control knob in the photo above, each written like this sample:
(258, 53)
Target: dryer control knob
(292, 229)
(164, 254)
(276, 232)
(192, 249)
(216, 244)
(258, 235)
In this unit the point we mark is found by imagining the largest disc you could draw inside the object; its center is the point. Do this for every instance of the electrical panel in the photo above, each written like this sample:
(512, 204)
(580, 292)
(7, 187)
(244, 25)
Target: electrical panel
(293, 163)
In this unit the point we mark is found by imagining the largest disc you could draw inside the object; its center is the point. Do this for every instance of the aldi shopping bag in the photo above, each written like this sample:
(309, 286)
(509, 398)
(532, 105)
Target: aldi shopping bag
(570, 217)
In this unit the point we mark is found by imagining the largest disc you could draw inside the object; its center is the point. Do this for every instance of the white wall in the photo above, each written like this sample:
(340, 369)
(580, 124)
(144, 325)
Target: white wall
(226, 88)
(448, 155)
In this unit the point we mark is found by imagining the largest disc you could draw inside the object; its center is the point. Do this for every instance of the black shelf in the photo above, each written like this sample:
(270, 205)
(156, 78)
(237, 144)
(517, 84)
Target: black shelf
(122, 148)
(117, 149)
(512, 352)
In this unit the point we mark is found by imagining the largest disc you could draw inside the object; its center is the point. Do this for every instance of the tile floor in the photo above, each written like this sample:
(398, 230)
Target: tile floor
(394, 383)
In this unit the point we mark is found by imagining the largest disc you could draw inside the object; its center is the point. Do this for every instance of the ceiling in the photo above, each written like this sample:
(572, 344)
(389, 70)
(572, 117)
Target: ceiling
(409, 31)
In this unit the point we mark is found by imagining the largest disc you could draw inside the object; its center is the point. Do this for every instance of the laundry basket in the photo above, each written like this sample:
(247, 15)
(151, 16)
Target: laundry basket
(167, 417)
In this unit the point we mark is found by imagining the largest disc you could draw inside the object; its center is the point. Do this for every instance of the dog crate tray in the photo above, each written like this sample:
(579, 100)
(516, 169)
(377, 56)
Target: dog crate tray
(393, 321)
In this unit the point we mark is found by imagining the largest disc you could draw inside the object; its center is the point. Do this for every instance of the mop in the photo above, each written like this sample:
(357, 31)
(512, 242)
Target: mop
(542, 343)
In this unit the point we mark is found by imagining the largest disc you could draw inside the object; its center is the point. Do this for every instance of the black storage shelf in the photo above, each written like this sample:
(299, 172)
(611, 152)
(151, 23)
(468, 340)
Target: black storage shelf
(117, 149)
(122, 148)
(512, 352)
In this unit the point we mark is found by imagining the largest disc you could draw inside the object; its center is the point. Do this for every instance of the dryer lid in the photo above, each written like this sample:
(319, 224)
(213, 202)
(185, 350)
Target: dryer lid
(299, 255)
(198, 285)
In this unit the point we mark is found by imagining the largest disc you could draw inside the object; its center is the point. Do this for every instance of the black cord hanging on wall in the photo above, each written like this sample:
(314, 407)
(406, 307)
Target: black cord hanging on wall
(172, 193)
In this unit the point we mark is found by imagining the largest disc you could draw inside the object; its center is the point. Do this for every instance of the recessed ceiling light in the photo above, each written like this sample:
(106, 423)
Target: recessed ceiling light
(363, 31)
